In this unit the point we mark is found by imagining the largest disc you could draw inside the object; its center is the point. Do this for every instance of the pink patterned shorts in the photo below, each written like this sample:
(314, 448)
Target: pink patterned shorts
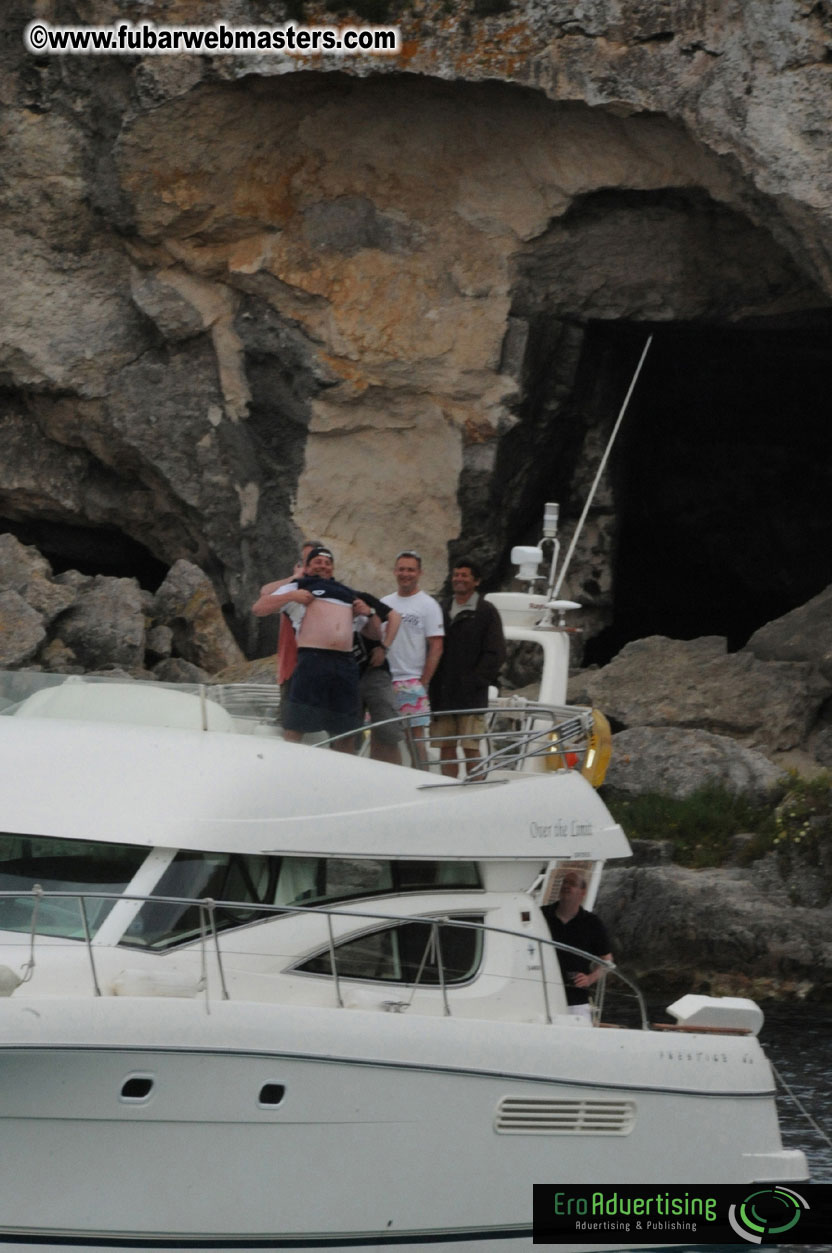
(412, 699)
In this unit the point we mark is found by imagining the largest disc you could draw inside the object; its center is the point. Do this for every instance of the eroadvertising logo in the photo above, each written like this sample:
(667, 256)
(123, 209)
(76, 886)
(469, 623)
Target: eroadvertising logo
(767, 1214)
(700, 1214)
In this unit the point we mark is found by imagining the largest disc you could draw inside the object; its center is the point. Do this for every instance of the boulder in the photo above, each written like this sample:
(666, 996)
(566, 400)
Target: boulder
(159, 643)
(804, 635)
(48, 598)
(21, 631)
(24, 570)
(19, 564)
(822, 746)
(665, 920)
(188, 604)
(56, 658)
(74, 579)
(261, 670)
(177, 670)
(663, 682)
(106, 625)
(676, 762)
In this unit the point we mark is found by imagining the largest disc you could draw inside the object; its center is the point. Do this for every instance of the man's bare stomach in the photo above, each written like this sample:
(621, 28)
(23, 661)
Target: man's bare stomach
(326, 626)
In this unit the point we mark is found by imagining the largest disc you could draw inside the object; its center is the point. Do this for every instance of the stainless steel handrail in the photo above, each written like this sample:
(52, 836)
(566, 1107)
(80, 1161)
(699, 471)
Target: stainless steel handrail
(555, 731)
(210, 906)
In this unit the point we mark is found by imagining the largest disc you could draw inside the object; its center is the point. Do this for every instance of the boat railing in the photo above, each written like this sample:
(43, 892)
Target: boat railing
(209, 935)
(518, 734)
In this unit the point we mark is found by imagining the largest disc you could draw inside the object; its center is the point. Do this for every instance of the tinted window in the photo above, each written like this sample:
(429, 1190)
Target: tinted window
(326, 880)
(254, 881)
(249, 881)
(408, 953)
(62, 865)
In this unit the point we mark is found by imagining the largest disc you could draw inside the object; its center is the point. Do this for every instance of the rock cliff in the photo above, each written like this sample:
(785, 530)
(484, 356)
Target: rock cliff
(396, 301)
(246, 297)
(759, 931)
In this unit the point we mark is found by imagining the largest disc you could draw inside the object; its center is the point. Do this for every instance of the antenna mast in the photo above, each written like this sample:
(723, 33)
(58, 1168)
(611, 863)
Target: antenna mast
(554, 590)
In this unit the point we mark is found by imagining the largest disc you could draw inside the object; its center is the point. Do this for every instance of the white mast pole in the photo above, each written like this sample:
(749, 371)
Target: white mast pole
(570, 551)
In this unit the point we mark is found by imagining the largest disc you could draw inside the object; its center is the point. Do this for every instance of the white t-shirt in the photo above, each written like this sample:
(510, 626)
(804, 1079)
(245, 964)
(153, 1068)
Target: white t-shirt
(421, 618)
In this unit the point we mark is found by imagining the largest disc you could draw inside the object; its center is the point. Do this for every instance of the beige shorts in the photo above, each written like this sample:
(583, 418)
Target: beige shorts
(470, 728)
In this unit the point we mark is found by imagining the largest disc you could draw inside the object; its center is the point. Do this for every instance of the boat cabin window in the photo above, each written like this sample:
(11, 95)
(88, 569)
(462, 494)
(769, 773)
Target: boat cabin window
(327, 880)
(408, 952)
(76, 866)
(248, 884)
(247, 880)
(255, 881)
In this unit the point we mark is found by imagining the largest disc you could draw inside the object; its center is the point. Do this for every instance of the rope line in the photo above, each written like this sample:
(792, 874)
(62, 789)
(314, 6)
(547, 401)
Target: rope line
(803, 1110)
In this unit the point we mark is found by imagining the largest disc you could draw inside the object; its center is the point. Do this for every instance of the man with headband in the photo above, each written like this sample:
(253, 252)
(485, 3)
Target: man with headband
(323, 694)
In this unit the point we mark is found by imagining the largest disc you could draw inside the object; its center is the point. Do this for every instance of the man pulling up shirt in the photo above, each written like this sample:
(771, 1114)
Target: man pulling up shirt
(323, 693)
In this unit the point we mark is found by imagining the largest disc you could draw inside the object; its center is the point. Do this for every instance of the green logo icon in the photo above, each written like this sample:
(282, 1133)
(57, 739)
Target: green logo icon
(767, 1214)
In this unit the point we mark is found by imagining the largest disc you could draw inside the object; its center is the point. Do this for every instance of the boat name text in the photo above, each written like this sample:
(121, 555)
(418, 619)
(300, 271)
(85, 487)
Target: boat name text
(559, 829)
(700, 1055)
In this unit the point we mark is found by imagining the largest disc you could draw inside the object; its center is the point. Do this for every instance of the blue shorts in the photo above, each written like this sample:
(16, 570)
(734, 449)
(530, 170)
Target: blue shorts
(323, 693)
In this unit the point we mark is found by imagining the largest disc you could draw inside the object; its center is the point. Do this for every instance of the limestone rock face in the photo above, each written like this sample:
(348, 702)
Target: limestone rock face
(660, 682)
(249, 297)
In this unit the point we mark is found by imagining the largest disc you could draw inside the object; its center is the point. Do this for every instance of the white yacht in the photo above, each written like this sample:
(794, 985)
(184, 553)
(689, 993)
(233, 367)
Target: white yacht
(259, 995)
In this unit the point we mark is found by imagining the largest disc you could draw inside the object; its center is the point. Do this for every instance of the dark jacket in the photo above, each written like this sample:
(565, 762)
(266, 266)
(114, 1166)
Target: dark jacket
(474, 650)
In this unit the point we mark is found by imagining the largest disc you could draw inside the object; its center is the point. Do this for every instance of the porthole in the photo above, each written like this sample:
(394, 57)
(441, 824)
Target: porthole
(137, 1088)
(271, 1095)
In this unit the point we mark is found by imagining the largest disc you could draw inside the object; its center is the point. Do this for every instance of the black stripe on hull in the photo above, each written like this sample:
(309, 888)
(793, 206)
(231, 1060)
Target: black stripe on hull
(367, 1240)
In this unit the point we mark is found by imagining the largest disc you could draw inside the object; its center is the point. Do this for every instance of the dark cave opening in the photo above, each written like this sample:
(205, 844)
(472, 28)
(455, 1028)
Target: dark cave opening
(721, 475)
(90, 550)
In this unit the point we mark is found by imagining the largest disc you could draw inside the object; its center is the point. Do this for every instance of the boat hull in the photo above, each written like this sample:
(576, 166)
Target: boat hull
(255, 1126)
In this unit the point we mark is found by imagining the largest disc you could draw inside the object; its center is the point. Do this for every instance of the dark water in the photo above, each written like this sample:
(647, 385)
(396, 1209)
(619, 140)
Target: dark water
(798, 1041)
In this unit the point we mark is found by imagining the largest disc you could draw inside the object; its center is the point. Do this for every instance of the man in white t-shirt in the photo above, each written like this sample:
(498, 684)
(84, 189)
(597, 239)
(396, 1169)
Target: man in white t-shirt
(415, 652)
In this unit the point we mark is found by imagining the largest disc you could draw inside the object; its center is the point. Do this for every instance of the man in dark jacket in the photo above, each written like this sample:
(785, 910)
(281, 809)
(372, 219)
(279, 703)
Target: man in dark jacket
(474, 652)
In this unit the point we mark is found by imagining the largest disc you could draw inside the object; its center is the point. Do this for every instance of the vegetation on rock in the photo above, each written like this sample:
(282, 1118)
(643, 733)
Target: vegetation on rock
(702, 827)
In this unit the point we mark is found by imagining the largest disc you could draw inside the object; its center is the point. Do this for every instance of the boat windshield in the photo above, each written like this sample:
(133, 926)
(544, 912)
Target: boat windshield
(62, 865)
(254, 882)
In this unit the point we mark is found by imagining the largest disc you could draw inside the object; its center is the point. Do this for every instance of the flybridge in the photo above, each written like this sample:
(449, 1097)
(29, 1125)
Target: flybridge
(183, 788)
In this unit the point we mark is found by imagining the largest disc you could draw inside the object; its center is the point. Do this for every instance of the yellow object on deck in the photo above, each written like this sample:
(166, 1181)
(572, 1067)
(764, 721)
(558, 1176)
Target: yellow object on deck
(598, 752)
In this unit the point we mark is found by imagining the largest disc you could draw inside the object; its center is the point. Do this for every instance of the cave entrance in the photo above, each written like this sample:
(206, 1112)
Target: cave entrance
(90, 550)
(721, 475)
(715, 513)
